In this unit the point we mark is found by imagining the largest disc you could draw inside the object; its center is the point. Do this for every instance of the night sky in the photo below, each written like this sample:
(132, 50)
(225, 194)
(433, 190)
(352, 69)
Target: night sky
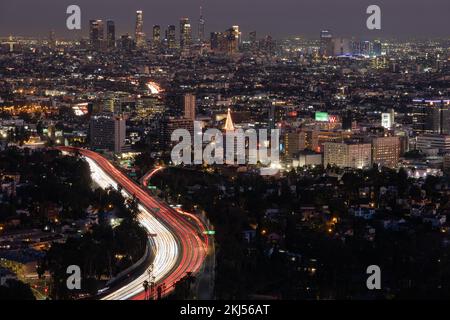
(400, 18)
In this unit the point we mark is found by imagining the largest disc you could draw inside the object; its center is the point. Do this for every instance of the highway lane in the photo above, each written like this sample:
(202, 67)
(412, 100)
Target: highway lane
(179, 247)
(201, 228)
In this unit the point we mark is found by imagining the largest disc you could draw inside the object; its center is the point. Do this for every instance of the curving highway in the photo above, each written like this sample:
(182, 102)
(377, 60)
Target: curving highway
(178, 246)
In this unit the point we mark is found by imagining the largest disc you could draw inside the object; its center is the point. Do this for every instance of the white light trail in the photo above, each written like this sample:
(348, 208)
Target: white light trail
(166, 248)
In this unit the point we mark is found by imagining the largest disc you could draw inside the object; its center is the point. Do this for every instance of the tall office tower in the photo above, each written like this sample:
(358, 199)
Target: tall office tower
(171, 37)
(269, 44)
(237, 35)
(252, 38)
(107, 132)
(110, 34)
(276, 114)
(156, 35)
(185, 33)
(232, 38)
(309, 139)
(52, 39)
(377, 48)
(112, 103)
(139, 35)
(341, 47)
(96, 34)
(326, 43)
(392, 114)
(439, 118)
(388, 119)
(168, 126)
(214, 41)
(126, 42)
(347, 120)
(364, 48)
(201, 27)
(292, 144)
(347, 154)
(386, 151)
(189, 106)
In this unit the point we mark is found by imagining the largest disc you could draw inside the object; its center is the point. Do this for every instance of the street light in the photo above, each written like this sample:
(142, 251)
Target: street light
(150, 282)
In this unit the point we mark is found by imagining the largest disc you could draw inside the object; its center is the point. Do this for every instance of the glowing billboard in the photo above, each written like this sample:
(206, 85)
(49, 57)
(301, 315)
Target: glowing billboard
(322, 116)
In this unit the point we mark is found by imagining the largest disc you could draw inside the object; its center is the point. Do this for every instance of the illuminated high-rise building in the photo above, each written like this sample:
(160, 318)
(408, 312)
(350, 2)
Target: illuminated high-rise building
(438, 117)
(112, 103)
(269, 44)
(342, 47)
(171, 37)
(216, 41)
(189, 106)
(364, 48)
(201, 27)
(292, 144)
(326, 43)
(185, 33)
(96, 34)
(236, 35)
(126, 42)
(347, 120)
(139, 35)
(386, 151)
(110, 34)
(52, 39)
(252, 38)
(107, 132)
(388, 119)
(233, 37)
(347, 154)
(377, 48)
(168, 126)
(156, 35)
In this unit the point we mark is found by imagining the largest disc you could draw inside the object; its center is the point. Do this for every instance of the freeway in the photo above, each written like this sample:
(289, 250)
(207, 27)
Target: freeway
(178, 247)
(201, 228)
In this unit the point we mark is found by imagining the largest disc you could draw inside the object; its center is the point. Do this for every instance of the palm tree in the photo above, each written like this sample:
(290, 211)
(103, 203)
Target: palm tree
(145, 285)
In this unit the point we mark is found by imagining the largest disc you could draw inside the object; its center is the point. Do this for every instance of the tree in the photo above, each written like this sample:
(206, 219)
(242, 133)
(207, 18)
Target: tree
(16, 290)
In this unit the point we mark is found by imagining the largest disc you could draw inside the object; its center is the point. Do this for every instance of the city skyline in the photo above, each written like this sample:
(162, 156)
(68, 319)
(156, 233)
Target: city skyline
(404, 19)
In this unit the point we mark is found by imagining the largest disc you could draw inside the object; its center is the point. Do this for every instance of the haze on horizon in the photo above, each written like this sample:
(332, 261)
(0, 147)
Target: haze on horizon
(280, 18)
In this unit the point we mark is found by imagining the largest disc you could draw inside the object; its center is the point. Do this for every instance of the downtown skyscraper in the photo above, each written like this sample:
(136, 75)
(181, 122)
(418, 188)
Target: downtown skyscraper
(110, 34)
(156, 35)
(185, 33)
(201, 27)
(171, 36)
(438, 120)
(96, 34)
(189, 106)
(139, 35)
(326, 43)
